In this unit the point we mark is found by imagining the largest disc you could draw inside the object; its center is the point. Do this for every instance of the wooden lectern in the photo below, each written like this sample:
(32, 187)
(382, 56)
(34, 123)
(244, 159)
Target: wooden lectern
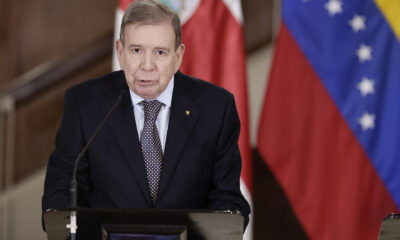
(123, 224)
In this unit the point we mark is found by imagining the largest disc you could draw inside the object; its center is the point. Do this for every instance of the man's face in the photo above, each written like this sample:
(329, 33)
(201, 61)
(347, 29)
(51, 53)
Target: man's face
(149, 58)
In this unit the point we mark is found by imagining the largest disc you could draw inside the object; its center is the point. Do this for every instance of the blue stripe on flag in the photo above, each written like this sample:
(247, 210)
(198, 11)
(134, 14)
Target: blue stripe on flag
(330, 44)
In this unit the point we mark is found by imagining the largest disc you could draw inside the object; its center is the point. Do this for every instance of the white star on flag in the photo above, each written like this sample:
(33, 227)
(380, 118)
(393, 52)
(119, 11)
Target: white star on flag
(366, 86)
(364, 53)
(367, 121)
(357, 23)
(334, 7)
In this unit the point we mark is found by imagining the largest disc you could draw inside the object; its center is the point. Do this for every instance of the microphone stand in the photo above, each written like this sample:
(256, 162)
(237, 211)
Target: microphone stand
(74, 185)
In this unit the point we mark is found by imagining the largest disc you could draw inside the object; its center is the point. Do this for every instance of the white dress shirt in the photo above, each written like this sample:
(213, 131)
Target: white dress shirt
(163, 116)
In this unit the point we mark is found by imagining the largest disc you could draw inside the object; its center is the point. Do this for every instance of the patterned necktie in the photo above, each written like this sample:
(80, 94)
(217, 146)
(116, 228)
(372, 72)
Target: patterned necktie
(151, 146)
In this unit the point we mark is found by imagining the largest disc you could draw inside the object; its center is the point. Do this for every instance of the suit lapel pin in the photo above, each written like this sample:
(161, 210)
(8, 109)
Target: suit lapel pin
(187, 112)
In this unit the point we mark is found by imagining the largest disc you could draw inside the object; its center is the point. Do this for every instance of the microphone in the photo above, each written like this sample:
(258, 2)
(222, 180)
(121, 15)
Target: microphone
(74, 186)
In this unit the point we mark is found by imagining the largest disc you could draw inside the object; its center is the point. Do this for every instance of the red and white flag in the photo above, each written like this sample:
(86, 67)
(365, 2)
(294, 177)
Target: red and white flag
(215, 51)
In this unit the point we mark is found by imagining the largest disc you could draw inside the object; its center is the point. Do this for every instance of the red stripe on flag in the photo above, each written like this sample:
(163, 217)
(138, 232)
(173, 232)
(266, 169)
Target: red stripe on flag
(123, 4)
(215, 52)
(326, 175)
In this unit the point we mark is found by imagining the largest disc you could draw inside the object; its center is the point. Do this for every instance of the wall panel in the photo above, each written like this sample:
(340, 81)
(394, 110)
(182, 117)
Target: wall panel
(34, 31)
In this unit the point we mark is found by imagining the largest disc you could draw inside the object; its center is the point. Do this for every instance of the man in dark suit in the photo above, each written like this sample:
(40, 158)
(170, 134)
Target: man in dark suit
(171, 143)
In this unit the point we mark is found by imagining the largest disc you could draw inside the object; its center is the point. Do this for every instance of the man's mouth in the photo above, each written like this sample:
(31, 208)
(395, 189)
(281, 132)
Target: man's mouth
(145, 82)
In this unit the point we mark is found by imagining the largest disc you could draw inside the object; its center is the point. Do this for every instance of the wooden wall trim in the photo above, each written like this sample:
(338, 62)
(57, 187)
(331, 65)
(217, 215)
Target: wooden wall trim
(9, 148)
(2, 150)
(7, 140)
(33, 83)
(49, 73)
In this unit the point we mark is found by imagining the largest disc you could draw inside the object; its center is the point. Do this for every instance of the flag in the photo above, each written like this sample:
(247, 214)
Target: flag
(215, 52)
(329, 130)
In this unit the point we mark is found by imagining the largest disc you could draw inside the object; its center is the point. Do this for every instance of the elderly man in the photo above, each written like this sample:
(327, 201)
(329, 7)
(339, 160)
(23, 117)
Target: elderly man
(171, 143)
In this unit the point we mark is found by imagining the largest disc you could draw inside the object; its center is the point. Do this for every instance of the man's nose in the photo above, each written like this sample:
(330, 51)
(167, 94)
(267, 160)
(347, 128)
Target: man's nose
(147, 62)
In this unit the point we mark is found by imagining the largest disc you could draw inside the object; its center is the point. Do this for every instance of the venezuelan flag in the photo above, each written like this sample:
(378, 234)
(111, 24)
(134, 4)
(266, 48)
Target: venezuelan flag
(330, 126)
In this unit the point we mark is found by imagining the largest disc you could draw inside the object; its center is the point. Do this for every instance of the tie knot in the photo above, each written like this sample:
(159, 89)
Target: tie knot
(151, 109)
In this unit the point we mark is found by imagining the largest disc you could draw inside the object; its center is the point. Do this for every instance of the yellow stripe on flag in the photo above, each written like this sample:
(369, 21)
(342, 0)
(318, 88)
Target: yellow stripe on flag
(391, 10)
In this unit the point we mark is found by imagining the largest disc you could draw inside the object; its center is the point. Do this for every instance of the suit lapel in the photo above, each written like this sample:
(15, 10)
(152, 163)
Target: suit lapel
(123, 127)
(183, 117)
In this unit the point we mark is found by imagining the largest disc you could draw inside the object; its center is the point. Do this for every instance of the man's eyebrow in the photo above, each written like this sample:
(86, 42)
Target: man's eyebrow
(134, 45)
(163, 48)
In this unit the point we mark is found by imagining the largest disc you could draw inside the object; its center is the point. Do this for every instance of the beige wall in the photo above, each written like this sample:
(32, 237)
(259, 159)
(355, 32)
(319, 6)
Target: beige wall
(258, 67)
(20, 210)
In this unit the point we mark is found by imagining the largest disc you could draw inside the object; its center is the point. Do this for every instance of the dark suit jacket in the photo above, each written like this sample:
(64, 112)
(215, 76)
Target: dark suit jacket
(202, 163)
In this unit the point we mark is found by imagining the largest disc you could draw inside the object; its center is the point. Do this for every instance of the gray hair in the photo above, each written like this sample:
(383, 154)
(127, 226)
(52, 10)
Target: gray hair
(150, 12)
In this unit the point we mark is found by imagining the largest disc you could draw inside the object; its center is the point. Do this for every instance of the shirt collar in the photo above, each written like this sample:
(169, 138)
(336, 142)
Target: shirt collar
(165, 97)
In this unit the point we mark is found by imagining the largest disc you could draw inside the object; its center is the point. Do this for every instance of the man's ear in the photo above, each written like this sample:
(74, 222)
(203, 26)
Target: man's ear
(119, 47)
(180, 51)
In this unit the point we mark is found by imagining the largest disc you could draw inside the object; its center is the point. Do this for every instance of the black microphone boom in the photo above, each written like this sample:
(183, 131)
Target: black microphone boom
(74, 186)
